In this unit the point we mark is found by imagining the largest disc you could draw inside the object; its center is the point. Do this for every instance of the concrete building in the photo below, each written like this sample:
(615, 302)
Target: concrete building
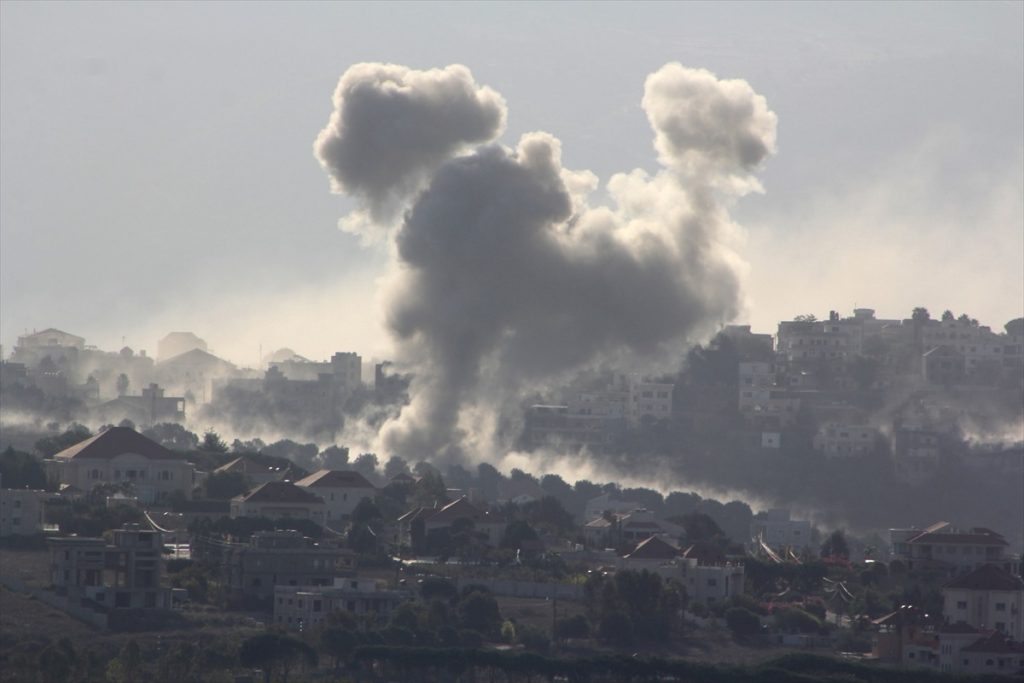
(839, 440)
(281, 558)
(779, 531)
(124, 574)
(988, 598)
(342, 490)
(708, 580)
(150, 407)
(648, 400)
(300, 608)
(122, 455)
(941, 546)
(60, 347)
(254, 471)
(22, 511)
(280, 500)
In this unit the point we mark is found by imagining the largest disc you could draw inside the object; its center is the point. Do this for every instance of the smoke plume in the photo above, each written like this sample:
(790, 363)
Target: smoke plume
(505, 277)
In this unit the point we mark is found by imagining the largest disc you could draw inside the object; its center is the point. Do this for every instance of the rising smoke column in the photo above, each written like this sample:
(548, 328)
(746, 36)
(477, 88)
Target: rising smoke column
(504, 276)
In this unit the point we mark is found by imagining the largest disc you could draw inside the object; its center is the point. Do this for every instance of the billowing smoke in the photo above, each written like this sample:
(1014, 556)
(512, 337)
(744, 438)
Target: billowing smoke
(506, 278)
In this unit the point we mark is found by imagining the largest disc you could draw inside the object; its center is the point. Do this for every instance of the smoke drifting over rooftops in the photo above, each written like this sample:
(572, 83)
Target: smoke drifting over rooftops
(505, 277)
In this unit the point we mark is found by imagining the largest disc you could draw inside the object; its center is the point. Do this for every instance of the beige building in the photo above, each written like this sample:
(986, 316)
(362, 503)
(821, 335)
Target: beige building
(708, 579)
(279, 500)
(304, 607)
(988, 598)
(120, 455)
(22, 511)
(281, 558)
(945, 547)
(342, 490)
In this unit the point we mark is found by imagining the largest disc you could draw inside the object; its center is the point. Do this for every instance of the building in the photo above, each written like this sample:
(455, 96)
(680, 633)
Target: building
(751, 346)
(707, 579)
(120, 455)
(176, 343)
(150, 407)
(254, 471)
(417, 524)
(988, 598)
(994, 654)
(565, 426)
(192, 373)
(943, 365)
(648, 400)
(777, 530)
(839, 440)
(124, 574)
(281, 558)
(304, 607)
(606, 502)
(60, 347)
(280, 500)
(22, 511)
(342, 490)
(941, 546)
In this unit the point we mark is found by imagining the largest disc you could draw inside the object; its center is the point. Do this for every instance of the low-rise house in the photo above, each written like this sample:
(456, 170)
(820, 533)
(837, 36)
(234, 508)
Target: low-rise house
(124, 574)
(279, 500)
(994, 654)
(988, 598)
(606, 502)
(342, 490)
(301, 608)
(280, 558)
(120, 455)
(416, 524)
(150, 407)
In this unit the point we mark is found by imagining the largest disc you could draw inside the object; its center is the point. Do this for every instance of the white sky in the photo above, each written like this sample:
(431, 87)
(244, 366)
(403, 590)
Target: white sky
(156, 170)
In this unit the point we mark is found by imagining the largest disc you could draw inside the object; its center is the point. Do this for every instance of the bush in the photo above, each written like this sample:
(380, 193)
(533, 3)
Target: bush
(792, 619)
(573, 627)
(742, 622)
(749, 603)
(533, 638)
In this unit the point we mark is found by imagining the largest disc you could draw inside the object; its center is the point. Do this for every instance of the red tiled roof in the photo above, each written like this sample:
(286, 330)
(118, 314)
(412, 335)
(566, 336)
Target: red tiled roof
(988, 577)
(114, 442)
(336, 479)
(280, 492)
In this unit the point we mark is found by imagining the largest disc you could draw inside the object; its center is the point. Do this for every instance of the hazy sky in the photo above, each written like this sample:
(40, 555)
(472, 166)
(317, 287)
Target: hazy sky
(157, 174)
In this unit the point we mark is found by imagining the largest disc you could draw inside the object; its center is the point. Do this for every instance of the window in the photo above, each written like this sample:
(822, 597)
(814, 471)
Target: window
(1001, 626)
(961, 604)
(1000, 606)
(712, 582)
(17, 503)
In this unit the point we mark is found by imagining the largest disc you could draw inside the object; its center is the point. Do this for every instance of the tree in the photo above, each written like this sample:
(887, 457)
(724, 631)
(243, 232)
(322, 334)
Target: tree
(479, 611)
(947, 316)
(212, 443)
(366, 465)
(394, 466)
(806, 318)
(792, 619)
(836, 546)
(173, 436)
(517, 533)
(742, 622)
(21, 470)
(75, 433)
(334, 457)
(616, 628)
(275, 652)
(365, 512)
(126, 667)
(122, 384)
(338, 642)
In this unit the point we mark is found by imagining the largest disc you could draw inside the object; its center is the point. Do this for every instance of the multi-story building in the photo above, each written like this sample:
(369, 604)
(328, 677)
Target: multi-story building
(120, 455)
(987, 598)
(22, 511)
(124, 574)
(341, 490)
(281, 558)
(150, 407)
(837, 440)
(707, 580)
(648, 400)
(300, 608)
(777, 530)
(941, 546)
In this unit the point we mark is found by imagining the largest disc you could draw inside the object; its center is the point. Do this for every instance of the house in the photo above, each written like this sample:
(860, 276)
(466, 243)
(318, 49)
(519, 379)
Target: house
(944, 547)
(254, 471)
(995, 654)
(342, 490)
(300, 608)
(193, 372)
(124, 574)
(280, 558)
(279, 500)
(708, 577)
(596, 507)
(416, 524)
(988, 598)
(120, 455)
(176, 343)
(60, 347)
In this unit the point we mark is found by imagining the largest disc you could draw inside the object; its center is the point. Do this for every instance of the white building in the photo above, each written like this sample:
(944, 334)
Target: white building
(300, 608)
(988, 598)
(342, 490)
(120, 455)
(22, 511)
(707, 581)
(779, 531)
(648, 400)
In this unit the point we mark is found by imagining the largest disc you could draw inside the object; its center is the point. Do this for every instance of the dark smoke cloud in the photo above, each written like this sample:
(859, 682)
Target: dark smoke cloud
(506, 278)
(392, 126)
